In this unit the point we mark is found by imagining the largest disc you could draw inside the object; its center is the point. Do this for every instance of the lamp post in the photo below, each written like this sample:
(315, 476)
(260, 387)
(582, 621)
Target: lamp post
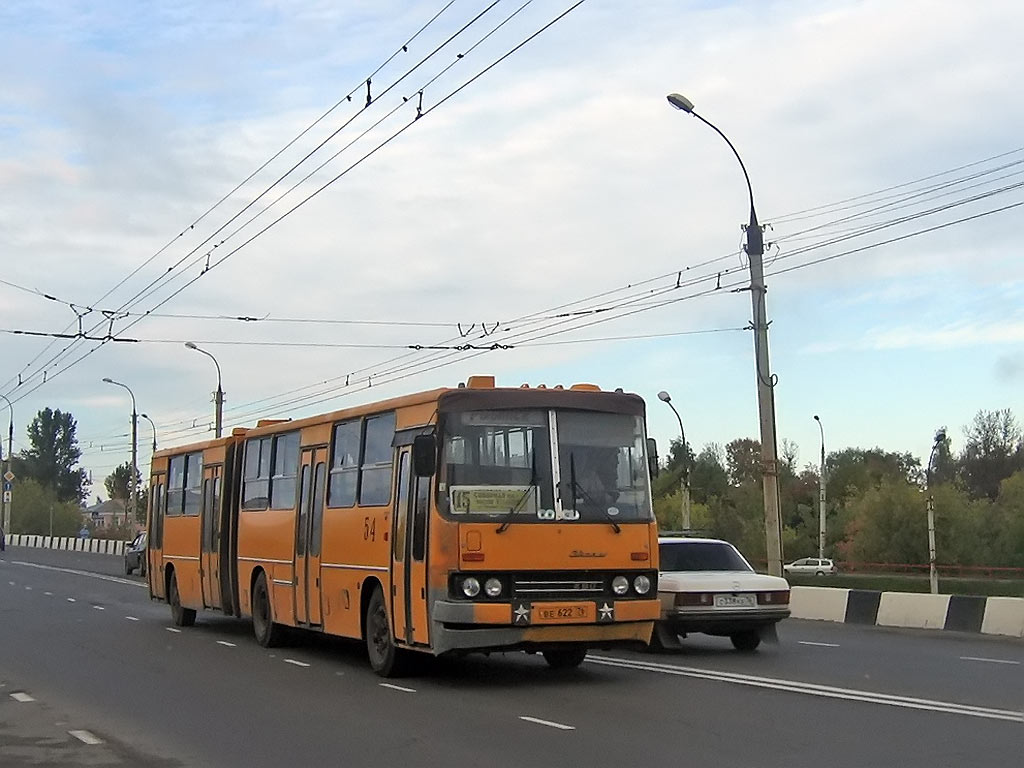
(821, 493)
(219, 395)
(765, 386)
(154, 429)
(5, 511)
(684, 481)
(933, 574)
(135, 447)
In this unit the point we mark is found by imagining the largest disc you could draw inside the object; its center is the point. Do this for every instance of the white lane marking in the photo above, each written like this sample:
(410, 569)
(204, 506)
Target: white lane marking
(48, 594)
(226, 644)
(71, 600)
(115, 579)
(812, 689)
(296, 663)
(397, 687)
(28, 589)
(22, 697)
(819, 645)
(11, 583)
(172, 629)
(86, 737)
(991, 661)
(559, 726)
(131, 618)
(99, 608)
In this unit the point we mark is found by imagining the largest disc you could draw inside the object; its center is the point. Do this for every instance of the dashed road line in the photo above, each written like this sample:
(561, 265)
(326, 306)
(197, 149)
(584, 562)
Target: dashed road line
(131, 618)
(818, 645)
(173, 629)
(226, 644)
(48, 594)
(296, 663)
(394, 687)
(549, 723)
(21, 696)
(28, 589)
(99, 608)
(85, 737)
(990, 661)
(72, 600)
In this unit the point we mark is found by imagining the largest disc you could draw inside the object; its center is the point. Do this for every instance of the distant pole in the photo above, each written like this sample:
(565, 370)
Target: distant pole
(133, 484)
(218, 397)
(154, 429)
(821, 494)
(765, 381)
(5, 510)
(933, 574)
(684, 479)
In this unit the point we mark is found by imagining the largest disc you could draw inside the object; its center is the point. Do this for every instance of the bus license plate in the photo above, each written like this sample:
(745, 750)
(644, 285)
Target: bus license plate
(563, 613)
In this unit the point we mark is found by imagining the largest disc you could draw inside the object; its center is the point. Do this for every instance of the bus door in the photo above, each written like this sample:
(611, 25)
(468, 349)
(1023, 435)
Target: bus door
(209, 562)
(408, 555)
(155, 538)
(308, 535)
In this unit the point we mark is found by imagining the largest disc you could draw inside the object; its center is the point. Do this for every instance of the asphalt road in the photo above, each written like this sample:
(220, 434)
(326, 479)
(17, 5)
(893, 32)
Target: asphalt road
(83, 650)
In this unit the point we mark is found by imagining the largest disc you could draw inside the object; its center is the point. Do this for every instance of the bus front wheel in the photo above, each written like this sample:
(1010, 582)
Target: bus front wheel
(565, 658)
(182, 616)
(268, 633)
(386, 659)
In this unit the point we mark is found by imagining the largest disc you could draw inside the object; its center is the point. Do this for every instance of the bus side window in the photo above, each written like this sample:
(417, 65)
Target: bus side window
(419, 518)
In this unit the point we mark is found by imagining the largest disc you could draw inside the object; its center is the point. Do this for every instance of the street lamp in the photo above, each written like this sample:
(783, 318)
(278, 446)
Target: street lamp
(821, 493)
(135, 447)
(684, 481)
(154, 429)
(219, 395)
(5, 512)
(933, 574)
(765, 385)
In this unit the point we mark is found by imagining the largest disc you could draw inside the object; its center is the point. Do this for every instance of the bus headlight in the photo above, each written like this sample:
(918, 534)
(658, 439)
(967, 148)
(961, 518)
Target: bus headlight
(620, 585)
(492, 587)
(642, 584)
(471, 586)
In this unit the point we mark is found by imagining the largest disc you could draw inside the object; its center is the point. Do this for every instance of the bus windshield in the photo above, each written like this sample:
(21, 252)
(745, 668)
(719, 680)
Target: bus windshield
(499, 464)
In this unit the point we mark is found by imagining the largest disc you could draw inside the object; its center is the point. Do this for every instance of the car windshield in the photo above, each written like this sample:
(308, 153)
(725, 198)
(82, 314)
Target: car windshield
(700, 556)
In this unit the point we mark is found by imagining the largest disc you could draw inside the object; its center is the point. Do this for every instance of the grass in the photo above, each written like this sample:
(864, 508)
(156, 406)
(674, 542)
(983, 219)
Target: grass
(914, 583)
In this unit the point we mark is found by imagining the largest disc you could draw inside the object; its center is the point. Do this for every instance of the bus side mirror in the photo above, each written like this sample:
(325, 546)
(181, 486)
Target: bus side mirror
(424, 455)
(652, 457)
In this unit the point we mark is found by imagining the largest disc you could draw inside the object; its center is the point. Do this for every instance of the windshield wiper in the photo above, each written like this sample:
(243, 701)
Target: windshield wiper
(522, 499)
(586, 496)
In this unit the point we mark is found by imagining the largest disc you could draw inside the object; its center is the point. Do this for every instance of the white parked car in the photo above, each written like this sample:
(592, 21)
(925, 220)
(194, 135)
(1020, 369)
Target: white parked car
(811, 565)
(706, 585)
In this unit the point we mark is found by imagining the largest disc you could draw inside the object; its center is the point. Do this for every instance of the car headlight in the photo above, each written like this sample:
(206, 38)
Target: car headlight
(492, 587)
(620, 585)
(642, 584)
(471, 586)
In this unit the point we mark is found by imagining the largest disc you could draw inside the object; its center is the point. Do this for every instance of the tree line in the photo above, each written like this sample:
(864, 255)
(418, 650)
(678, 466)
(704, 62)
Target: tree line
(876, 499)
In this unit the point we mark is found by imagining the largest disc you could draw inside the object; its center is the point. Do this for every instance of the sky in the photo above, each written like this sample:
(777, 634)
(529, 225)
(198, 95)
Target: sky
(883, 141)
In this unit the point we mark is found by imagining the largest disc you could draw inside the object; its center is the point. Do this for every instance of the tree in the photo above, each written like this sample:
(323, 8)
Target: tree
(853, 471)
(52, 457)
(117, 482)
(34, 506)
(993, 451)
(743, 461)
(708, 477)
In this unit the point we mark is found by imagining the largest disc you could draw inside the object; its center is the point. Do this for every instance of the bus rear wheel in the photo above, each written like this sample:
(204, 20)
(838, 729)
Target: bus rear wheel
(565, 658)
(182, 616)
(268, 633)
(386, 659)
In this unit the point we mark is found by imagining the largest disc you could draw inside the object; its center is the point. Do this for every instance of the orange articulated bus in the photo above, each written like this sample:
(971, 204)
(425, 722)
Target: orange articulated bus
(455, 520)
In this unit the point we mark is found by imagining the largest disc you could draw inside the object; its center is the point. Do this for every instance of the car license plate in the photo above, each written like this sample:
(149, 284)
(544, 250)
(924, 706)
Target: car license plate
(563, 613)
(735, 601)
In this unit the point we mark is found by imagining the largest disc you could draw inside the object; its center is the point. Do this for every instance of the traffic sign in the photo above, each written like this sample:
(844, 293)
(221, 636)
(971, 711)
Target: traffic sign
(8, 476)
(7, 497)
(8, 485)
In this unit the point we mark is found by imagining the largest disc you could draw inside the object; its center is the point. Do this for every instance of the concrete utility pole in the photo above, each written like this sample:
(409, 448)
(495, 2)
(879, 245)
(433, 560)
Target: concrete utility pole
(684, 479)
(132, 482)
(765, 381)
(821, 494)
(933, 573)
(8, 484)
(218, 397)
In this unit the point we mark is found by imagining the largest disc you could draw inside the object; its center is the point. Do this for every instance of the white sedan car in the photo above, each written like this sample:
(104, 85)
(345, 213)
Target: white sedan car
(706, 585)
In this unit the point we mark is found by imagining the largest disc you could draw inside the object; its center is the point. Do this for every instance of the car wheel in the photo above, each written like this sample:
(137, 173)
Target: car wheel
(565, 658)
(746, 641)
(268, 633)
(819, 573)
(127, 568)
(142, 568)
(182, 616)
(386, 659)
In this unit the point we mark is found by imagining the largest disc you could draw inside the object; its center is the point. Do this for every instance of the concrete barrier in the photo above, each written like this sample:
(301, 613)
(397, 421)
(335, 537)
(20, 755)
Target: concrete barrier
(908, 609)
(1004, 616)
(101, 546)
(822, 603)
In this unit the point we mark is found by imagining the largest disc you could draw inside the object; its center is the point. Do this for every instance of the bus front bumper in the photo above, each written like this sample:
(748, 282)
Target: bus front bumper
(521, 625)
